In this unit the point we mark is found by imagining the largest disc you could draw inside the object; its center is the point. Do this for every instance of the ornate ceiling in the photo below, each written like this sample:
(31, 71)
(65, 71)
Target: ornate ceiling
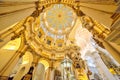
(47, 34)
(59, 18)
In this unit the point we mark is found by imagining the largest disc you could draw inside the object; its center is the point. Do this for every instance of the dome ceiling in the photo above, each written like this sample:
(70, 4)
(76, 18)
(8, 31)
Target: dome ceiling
(59, 19)
(49, 31)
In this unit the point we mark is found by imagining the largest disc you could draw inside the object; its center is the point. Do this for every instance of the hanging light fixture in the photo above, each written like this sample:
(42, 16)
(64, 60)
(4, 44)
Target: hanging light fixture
(67, 72)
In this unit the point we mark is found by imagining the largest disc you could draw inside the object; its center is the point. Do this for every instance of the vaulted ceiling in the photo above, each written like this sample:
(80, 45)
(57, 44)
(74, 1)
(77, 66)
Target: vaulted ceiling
(93, 12)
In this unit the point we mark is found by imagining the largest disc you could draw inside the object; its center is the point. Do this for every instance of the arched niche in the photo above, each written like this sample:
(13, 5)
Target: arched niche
(44, 62)
(26, 63)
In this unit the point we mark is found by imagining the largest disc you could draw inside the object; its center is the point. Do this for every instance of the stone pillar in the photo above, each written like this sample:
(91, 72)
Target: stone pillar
(100, 13)
(39, 73)
(35, 59)
(13, 11)
(11, 33)
(112, 51)
(49, 72)
(5, 71)
(107, 54)
(101, 66)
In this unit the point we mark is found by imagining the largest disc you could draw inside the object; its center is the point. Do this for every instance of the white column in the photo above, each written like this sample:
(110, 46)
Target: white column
(103, 51)
(101, 66)
(111, 50)
(39, 73)
(49, 74)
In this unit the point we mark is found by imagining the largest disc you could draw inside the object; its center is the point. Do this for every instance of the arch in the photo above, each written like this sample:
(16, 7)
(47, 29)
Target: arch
(27, 59)
(13, 44)
(44, 62)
